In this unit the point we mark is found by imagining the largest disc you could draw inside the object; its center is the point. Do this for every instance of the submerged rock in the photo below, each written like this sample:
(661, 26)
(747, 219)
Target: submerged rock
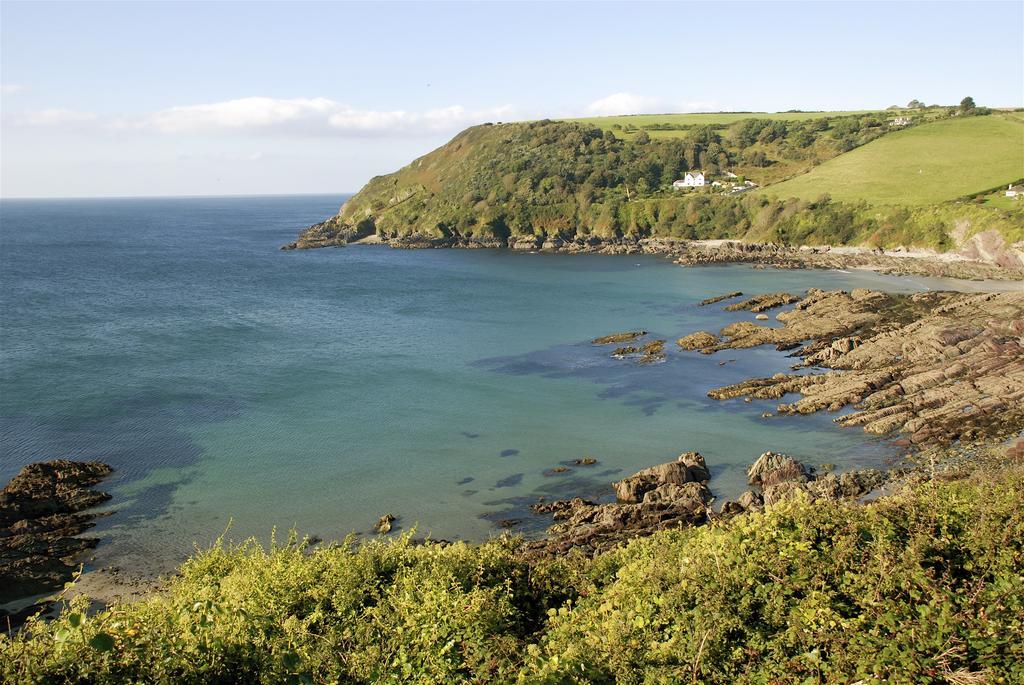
(653, 351)
(719, 298)
(619, 337)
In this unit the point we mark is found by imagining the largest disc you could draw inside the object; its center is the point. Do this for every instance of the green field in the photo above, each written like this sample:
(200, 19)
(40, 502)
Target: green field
(703, 119)
(926, 164)
(638, 121)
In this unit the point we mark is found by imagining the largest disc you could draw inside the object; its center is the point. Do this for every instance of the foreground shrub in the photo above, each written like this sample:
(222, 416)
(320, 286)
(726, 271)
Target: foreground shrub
(923, 587)
(927, 587)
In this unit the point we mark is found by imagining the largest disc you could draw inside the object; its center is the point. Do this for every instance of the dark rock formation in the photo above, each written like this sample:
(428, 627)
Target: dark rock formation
(40, 521)
(718, 298)
(762, 303)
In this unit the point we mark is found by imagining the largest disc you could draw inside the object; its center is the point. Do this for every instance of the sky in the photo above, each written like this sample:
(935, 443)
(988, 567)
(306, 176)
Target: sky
(153, 99)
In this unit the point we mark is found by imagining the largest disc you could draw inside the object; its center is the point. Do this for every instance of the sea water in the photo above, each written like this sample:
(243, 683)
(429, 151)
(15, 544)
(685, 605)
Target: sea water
(228, 381)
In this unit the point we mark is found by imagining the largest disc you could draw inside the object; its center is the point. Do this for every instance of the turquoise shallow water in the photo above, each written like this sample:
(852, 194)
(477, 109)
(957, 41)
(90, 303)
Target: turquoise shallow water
(224, 379)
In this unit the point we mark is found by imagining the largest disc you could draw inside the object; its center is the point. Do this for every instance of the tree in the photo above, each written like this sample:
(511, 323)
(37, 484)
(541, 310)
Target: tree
(642, 138)
(967, 104)
(915, 104)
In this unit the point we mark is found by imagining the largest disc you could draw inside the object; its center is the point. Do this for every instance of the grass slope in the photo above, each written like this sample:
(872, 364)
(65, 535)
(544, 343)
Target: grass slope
(927, 164)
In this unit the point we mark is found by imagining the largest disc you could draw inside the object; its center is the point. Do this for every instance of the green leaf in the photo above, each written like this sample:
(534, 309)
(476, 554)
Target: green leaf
(75, 620)
(102, 642)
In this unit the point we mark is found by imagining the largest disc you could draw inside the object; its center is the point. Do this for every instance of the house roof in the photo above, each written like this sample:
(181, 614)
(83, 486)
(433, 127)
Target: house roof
(694, 173)
(1019, 189)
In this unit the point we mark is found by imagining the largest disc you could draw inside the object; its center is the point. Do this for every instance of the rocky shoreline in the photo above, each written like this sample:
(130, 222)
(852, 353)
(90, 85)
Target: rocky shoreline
(42, 516)
(676, 494)
(938, 367)
(970, 263)
(945, 370)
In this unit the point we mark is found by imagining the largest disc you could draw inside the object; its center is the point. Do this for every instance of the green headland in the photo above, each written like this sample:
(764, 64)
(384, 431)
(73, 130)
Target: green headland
(925, 178)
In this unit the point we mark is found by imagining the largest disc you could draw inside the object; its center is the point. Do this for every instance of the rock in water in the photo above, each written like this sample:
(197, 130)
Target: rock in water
(702, 340)
(688, 468)
(761, 303)
(719, 298)
(384, 524)
(619, 337)
(772, 468)
(40, 522)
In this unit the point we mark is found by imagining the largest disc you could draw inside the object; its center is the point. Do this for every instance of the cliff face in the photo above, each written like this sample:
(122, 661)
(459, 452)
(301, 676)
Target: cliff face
(557, 185)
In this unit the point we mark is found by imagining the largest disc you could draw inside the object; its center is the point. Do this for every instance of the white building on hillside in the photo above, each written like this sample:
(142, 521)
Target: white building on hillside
(900, 121)
(1011, 190)
(693, 179)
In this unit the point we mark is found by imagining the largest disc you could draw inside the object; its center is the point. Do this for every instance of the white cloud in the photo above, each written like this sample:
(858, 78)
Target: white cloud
(322, 117)
(57, 116)
(244, 113)
(12, 89)
(311, 116)
(631, 103)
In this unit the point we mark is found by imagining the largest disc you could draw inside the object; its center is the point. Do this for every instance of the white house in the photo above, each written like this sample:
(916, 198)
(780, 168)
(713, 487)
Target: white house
(1011, 191)
(900, 121)
(693, 179)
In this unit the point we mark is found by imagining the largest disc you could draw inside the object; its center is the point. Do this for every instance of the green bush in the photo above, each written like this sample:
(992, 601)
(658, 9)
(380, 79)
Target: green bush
(923, 587)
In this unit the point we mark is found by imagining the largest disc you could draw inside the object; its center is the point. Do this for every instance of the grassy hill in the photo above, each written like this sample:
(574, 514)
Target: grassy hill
(527, 183)
(926, 164)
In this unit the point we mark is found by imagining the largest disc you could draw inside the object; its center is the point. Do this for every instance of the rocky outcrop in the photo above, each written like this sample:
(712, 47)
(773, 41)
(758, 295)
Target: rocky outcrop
(619, 337)
(939, 367)
(771, 469)
(385, 523)
(701, 340)
(718, 298)
(664, 496)
(970, 263)
(40, 522)
(652, 352)
(778, 477)
(688, 468)
(330, 233)
(762, 303)
(675, 494)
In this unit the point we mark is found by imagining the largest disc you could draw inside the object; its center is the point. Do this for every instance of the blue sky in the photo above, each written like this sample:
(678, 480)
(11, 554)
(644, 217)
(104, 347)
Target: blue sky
(110, 99)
